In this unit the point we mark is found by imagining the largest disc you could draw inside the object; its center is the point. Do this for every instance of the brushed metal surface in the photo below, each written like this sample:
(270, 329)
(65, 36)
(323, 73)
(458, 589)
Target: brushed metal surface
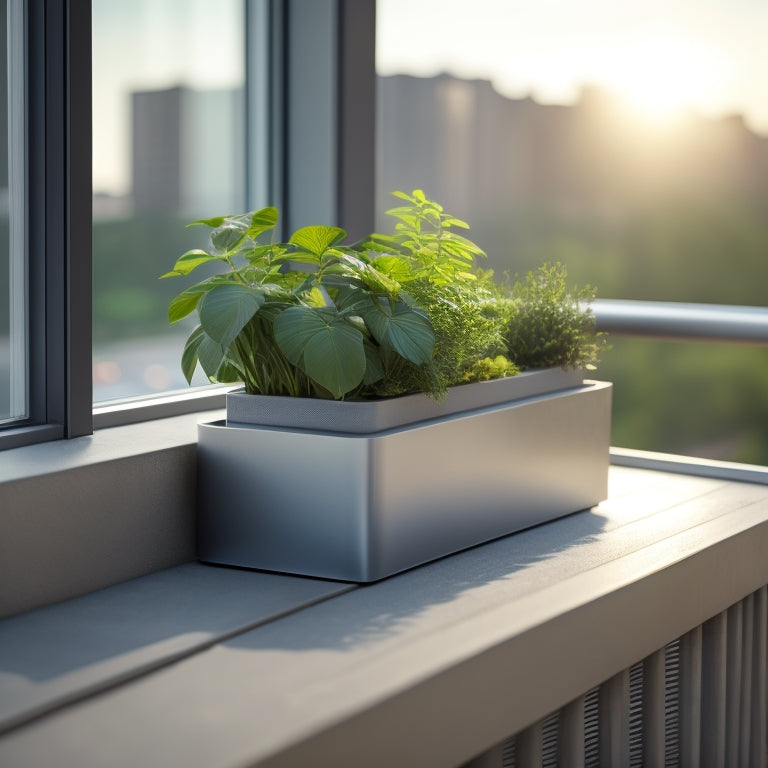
(363, 417)
(362, 507)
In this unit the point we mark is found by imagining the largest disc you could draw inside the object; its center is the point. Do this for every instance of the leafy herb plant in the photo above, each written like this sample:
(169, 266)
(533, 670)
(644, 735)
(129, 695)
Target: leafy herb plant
(314, 317)
(551, 324)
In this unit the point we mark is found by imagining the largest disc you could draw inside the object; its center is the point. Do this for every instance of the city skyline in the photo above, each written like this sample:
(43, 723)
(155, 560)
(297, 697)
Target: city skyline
(701, 55)
(705, 55)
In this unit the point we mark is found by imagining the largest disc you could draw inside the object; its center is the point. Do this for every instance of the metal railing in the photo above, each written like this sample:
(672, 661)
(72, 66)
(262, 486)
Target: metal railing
(678, 321)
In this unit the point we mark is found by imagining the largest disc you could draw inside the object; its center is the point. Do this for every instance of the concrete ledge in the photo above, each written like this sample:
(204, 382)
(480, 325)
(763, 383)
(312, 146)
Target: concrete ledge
(83, 514)
(430, 667)
(69, 651)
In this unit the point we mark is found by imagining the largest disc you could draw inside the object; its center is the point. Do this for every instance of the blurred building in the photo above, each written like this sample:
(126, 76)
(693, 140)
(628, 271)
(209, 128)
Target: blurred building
(187, 151)
(483, 154)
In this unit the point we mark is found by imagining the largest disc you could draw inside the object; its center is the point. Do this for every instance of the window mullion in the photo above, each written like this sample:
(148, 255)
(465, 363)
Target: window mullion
(78, 196)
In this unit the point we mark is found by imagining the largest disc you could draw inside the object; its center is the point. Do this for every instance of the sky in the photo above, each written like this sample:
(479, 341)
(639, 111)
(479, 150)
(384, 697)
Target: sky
(149, 45)
(706, 55)
(660, 55)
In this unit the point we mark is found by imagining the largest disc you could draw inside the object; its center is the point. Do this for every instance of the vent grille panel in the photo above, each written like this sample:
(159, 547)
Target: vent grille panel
(703, 693)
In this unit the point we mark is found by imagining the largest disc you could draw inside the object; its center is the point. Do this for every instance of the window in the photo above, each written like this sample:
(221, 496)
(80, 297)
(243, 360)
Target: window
(291, 58)
(169, 148)
(45, 311)
(282, 60)
(628, 141)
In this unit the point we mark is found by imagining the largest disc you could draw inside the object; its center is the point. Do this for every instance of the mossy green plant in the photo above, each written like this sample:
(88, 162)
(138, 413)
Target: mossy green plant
(552, 324)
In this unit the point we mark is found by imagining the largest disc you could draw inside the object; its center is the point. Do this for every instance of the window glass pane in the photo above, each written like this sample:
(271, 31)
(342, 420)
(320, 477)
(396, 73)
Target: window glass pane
(14, 403)
(696, 399)
(168, 135)
(627, 140)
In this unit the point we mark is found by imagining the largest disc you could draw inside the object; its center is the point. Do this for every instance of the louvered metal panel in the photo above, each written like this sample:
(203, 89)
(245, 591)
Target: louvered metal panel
(653, 712)
(571, 734)
(702, 700)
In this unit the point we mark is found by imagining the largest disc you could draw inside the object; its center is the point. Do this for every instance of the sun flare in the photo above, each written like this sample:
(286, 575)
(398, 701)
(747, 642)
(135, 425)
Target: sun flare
(661, 76)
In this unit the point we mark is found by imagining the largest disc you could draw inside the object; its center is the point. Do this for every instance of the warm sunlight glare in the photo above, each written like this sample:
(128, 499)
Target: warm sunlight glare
(660, 77)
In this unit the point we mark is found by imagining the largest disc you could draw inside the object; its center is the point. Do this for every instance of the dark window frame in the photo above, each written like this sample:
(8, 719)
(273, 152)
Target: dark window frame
(59, 64)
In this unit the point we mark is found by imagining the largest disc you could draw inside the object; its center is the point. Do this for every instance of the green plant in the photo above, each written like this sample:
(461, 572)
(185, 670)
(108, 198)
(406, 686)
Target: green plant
(443, 280)
(392, 314)
(306, 317)
(552, 324)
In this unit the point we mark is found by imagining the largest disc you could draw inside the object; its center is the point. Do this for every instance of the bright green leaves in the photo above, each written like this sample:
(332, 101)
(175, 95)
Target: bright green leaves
(227, 238)
(230, 233)
(200, 347)
(226, 309)
(349, 264)
(317, 239)
(314, 316)
(405, 329)
(211, 356)
(214, 222)
(187, 301)
(394, 267)
(327, 347)
(262, 221)
(189, 261)
(424, 237)
(184, 303)
(189, 357)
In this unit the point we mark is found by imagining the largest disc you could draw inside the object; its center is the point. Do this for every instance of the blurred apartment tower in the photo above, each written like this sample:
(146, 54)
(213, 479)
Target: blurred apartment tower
(485, 155)
(187, 151)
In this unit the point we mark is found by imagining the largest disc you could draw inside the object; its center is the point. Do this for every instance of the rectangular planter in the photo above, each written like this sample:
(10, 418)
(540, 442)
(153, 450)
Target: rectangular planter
(377, 415)
(362, 506)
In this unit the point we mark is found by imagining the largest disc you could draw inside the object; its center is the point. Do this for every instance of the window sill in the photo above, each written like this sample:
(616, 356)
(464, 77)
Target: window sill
(223, 667)
(83, 514)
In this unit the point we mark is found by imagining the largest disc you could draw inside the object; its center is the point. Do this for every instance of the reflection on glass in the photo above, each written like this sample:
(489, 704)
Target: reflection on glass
(695, 399)
(168, 131)
(628, 141)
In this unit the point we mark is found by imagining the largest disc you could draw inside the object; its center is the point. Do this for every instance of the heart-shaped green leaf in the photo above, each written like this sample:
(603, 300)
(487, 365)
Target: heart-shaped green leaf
(329, 349)
(184, 303)
(262, 220)
(406, 329)
(317, 239)
(350, 300)
(189, 356)
(296, 257)
(214, 222)
(210, 354)
(374, 367)
(189, 261)
(228, 373)
(225, 310)
(227, 238)
(394, 267)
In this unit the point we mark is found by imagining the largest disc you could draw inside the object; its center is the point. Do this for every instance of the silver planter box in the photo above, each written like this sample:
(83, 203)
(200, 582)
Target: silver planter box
(378, 415)
(359, 506)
